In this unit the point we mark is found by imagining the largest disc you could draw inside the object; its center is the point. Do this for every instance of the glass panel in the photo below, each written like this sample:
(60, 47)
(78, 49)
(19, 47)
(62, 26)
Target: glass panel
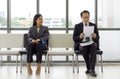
(57, 31)
(76, 7)
(3, 31)
(53, 12)
(3, 22)
(110, 44)
(3, 13)
(19, 31)
(22, 13)
(108, 13)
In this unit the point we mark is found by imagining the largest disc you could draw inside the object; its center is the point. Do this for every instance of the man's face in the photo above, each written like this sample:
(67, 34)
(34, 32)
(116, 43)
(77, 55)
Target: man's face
(85, 17)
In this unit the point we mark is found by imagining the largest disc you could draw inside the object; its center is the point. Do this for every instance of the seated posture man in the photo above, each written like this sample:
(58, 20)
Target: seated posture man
(87, 45)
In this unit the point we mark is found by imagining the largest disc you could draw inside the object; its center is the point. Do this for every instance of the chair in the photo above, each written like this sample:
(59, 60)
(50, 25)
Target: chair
(99, 52)
(24, 52)
(60, 41)
(10, 41)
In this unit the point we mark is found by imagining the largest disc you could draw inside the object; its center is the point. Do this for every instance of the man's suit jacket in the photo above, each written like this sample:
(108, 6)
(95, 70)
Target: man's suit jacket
(78, 29)
(42, 35)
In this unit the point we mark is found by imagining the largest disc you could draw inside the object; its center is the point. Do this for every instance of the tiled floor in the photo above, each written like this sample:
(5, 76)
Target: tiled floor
(60, 72)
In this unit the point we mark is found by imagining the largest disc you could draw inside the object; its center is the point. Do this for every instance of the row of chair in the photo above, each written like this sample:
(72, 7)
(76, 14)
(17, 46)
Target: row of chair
(65, 41)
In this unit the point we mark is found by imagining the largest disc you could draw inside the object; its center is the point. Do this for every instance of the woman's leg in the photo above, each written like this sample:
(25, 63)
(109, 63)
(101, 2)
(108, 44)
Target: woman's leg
(38, 70)
(31, 48)
(29, 68)
(39, 57)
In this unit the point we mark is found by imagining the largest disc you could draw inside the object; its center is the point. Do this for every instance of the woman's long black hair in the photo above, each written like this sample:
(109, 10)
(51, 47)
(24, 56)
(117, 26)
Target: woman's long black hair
(35, 18)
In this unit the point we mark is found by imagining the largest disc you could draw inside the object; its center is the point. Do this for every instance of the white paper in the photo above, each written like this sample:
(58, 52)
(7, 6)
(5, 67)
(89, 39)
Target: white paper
(87, 43)
(88, 30)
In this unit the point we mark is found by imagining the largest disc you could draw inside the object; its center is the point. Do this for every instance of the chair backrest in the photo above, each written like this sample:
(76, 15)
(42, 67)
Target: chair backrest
(25, 42)
(11, 40)
(60, 41)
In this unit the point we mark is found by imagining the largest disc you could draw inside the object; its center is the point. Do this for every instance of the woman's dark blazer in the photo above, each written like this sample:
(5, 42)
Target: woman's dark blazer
(42, 35)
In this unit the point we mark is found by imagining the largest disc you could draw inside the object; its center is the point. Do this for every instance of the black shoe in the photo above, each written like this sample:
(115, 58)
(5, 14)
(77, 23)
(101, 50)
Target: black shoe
(87, 72)
(93, 74)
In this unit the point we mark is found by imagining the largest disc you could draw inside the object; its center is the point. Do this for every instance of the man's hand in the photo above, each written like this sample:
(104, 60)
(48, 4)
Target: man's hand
(93, 35)
(82, 35)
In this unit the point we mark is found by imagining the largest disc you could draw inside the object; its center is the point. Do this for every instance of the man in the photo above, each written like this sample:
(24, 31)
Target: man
(89, 51)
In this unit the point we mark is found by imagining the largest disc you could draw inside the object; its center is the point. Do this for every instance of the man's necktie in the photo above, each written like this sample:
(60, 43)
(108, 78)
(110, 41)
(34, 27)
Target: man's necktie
(85, 24)
(87, 38)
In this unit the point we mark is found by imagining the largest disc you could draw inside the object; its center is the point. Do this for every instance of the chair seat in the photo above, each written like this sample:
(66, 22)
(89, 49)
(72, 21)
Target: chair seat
(25, 52)
(57, 52)
(79, 53)
(99, 52)
(9, 52)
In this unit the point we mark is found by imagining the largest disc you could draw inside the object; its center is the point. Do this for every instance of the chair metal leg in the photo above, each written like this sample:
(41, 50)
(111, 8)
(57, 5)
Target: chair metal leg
(48, 63)
(24, 60)
(1, 60)
(77, 63)
(73, 62)
(17, 64)
(97, 60)
(50, 60)
(101, 64)
(21, 63)
(76, 60)
(45, 63)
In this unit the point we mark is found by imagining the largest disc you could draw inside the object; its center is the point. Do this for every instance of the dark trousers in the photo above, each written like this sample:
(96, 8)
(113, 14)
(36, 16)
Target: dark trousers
(34, 49)
(89, 54)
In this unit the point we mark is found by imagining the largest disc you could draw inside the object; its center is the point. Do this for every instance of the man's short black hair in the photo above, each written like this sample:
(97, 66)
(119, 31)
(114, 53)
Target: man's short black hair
(85, 11)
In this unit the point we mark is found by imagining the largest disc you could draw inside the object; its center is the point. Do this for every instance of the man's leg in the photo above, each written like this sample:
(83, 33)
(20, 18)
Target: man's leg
(85, 53)
(93, 50)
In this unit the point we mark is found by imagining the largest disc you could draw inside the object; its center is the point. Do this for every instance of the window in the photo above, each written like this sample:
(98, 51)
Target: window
(22, 13)
(3, 13)
(109, 43)
(76, 7)
(53, 12)
(109, 13)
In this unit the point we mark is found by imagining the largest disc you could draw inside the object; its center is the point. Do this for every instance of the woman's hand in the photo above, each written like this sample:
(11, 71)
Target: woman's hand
(33, 41)
(37, 40)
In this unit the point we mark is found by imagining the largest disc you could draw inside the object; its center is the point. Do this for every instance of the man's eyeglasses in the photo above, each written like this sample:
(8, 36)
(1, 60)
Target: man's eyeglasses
(86, 17)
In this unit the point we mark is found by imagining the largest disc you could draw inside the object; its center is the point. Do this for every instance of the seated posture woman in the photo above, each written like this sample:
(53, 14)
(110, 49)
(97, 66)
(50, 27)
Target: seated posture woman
(37, 37)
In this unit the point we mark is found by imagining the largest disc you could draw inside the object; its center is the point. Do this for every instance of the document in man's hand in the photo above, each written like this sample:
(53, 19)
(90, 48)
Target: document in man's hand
(88, 30)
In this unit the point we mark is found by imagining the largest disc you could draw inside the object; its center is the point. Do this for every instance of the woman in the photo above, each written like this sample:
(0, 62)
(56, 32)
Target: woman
(37, 37)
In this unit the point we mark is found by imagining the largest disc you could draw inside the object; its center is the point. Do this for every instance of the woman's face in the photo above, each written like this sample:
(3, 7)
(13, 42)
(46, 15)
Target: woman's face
(39, 21)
